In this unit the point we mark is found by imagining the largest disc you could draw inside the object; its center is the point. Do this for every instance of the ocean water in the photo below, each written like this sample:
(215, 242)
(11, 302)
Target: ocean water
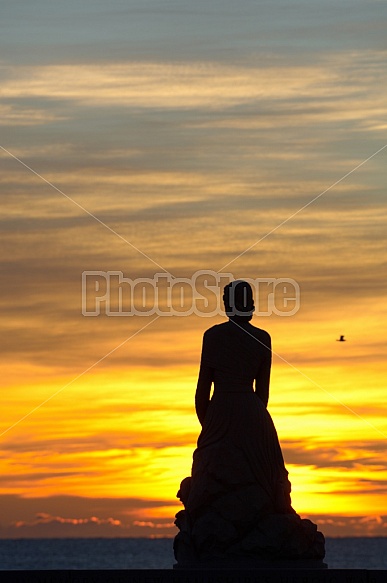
(142, 553)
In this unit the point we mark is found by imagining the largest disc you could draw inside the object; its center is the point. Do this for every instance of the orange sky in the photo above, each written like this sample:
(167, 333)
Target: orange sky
(162, 152)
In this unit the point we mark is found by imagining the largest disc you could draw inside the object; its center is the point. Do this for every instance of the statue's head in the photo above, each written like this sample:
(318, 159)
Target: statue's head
(238, 300)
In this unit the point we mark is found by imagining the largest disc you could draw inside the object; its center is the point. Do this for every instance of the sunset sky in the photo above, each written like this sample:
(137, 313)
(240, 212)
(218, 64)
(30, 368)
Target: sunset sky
(172, 136)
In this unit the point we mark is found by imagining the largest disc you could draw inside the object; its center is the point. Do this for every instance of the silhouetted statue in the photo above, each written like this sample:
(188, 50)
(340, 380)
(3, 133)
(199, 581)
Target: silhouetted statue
(237, 502)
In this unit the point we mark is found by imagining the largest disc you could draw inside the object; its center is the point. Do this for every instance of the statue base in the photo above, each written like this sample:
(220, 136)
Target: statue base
(248, 564)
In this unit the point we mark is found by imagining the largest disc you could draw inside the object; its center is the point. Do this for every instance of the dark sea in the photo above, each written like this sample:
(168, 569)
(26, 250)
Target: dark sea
(142, 553)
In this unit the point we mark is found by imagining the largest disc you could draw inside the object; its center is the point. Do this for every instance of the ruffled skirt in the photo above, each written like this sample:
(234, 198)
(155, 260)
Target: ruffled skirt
(237, 501)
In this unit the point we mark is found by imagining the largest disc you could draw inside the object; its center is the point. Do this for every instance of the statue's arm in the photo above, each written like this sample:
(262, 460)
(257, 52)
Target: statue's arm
(262, 379)
(203, 389)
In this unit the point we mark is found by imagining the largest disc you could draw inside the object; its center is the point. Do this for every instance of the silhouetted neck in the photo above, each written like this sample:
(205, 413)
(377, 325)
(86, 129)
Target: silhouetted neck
(240, 320)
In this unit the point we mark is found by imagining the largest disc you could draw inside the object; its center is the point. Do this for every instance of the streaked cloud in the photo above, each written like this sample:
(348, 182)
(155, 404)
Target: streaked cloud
(350, 526)
(54, 516)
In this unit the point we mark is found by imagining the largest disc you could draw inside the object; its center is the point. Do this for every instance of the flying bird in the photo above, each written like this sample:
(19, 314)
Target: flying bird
(341, 339)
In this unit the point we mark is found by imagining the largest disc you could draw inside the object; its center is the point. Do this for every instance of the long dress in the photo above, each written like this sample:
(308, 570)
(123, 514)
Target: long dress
(237, 501)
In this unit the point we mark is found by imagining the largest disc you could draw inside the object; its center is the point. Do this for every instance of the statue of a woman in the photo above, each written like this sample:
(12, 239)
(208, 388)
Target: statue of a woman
(237, 502)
